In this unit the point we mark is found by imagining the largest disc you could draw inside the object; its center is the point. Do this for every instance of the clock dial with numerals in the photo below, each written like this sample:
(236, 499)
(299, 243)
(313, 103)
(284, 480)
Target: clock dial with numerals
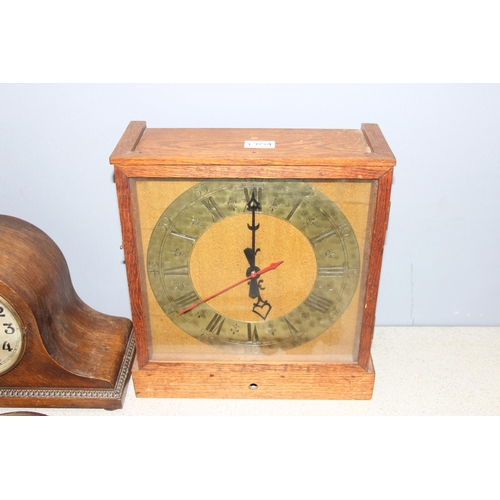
(221, 232)
(11, 337)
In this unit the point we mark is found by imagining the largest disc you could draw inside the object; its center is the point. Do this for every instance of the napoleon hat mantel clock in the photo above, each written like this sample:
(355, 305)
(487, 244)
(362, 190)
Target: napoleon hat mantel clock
(55, 351)
(253, 259)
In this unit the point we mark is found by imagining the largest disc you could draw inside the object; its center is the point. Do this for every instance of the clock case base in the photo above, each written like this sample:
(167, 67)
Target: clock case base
(75, 356)
(92, 392)
(253, 380)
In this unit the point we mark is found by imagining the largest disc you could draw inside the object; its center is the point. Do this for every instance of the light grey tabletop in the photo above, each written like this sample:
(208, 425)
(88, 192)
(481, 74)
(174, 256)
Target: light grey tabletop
(431, 371)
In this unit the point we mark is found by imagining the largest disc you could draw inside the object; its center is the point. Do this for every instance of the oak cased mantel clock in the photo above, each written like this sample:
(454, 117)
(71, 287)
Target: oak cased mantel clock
(55, 351)
(253, 259)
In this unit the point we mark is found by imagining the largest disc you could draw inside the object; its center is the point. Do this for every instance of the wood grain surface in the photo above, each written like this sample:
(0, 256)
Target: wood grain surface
(254, 380)
(70, 346)
(294, 147)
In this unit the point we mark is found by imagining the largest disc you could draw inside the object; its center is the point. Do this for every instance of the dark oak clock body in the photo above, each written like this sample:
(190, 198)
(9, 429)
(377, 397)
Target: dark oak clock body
(70, 355)
(204, 211)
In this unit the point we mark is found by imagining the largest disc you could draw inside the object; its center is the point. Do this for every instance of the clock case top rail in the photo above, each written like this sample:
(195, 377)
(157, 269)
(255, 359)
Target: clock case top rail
(377, 165)
(368, 149)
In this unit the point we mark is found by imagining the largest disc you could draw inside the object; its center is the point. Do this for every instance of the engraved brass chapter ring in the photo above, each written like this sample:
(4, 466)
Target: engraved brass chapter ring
(220, 231)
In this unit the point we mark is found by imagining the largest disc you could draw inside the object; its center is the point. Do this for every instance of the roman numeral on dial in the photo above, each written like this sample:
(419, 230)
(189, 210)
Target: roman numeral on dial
(323, 236)
(182, 235)
(257, 193)
(331, 272)
(215, 324)
(213, 208)
(294, 208)
(318, 303)
(175, 271)
(253, 336)
(291, 327)
(186, 300)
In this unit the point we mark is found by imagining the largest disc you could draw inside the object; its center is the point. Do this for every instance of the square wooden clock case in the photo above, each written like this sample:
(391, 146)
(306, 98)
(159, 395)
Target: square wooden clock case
(253, 259)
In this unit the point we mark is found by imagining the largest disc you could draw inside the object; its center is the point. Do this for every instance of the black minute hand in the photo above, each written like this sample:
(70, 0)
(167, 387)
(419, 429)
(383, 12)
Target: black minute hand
(253, 205)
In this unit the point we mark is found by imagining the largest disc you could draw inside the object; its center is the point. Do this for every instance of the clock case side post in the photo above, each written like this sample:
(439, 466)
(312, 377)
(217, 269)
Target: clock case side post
(127, 144)
(379, 146)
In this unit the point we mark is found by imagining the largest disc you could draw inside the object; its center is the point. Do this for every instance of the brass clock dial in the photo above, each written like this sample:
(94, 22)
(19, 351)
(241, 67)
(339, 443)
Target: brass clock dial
(221, 233)
(12, 339)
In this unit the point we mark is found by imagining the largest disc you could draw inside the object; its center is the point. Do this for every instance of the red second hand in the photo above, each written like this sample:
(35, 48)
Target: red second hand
(270, 267)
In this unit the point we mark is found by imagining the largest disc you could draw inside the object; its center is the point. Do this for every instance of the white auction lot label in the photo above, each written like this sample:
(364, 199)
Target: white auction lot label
(260, 144)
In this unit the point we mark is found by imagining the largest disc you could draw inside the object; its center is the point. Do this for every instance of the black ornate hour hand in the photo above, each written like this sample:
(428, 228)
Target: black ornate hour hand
(254, 282)
(261, 307)
(250, 255)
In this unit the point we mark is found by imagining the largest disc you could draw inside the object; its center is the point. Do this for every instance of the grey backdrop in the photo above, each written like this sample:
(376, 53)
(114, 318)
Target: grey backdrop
(441, 264)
